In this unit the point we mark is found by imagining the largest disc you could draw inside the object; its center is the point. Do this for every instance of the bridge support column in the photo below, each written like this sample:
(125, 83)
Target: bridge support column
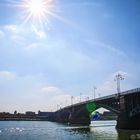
(124, 122)
(79, 120)
(127, 119)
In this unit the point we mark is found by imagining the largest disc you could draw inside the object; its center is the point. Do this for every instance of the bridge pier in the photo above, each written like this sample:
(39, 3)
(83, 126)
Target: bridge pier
(124, 122)
(129, 116)
(74, 116)
(84, 121)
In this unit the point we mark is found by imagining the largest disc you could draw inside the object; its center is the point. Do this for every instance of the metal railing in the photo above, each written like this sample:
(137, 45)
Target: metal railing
(130, 91)
(106, 97)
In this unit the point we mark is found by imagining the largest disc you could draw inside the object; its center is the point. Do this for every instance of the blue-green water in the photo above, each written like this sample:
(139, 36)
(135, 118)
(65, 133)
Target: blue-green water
(35, 130)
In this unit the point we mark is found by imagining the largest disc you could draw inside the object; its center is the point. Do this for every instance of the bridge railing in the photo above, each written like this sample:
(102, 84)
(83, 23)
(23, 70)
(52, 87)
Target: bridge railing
(130, 91)
(107, 97)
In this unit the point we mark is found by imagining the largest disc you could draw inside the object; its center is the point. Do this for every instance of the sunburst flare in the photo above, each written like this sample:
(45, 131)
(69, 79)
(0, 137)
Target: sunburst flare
(37, 11)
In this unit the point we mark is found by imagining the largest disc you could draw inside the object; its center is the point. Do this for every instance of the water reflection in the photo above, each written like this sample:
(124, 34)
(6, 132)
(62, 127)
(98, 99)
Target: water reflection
(128, 134)
(81, 129)
(106, 133)
(96, 133)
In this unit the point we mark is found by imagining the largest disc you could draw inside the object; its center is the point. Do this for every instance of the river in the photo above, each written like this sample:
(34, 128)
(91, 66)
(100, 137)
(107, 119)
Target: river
(43, 130)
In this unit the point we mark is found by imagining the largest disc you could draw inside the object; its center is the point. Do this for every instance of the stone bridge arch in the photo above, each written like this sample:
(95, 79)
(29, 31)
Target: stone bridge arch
(126, 105)
(78, 114)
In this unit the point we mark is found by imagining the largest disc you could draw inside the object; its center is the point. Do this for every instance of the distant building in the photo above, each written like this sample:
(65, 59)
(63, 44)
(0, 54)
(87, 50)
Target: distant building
(45, 115)
(30, 113)
(107, 115)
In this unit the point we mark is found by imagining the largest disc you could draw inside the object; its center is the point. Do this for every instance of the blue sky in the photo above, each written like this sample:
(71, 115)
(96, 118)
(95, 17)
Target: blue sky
(85, 46)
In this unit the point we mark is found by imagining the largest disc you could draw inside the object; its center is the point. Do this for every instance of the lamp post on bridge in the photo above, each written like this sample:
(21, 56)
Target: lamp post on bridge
(58, 107)
(118, 78)
(87, 98)
(72, 100)
(95, 88)
(80, 96)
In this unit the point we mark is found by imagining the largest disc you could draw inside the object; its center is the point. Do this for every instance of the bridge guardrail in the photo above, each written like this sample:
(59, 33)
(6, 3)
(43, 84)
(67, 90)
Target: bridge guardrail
(131, 91)
(108, 96)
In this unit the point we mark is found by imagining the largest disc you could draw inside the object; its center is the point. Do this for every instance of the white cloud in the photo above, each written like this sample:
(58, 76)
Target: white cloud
(17, 29)
(32, 46)
(51, 89)
(1, 34)
(12, 28)
(7, 74)
(41, 34)
(122, 73)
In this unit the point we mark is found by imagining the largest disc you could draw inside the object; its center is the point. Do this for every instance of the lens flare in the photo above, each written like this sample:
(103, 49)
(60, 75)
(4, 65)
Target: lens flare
(95, 115)
(36, 7)
(90, 106)
(36, 11)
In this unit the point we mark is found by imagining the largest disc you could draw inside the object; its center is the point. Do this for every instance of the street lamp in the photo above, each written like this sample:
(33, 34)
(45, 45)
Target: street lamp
(80, 96)
(94, 91)
(58, 107)
(72, 100)
(118, 78)
(87, 98)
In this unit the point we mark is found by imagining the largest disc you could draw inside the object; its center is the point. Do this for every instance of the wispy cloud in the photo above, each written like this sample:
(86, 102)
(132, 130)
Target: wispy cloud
(18, 29)
(50, 89)
(31, 46)
(106, 46)
(1, 34)
(18, 33)
(12, 28)
(40, 33)
(7, 74)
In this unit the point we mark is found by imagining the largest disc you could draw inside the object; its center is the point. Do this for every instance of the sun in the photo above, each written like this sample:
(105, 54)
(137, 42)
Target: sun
(37, 11)
(36, 7)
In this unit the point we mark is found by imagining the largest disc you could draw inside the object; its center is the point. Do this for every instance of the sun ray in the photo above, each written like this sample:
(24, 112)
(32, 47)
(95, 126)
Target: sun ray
(36, 11)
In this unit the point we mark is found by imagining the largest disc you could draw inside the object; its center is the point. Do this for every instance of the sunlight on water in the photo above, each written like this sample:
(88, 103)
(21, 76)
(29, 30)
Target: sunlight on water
(99, 130)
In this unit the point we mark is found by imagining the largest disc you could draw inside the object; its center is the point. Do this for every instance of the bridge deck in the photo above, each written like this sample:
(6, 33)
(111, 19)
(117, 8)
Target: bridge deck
(106, 97)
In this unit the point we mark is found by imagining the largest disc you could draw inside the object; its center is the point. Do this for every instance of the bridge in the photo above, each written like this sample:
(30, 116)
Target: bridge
(126, 105)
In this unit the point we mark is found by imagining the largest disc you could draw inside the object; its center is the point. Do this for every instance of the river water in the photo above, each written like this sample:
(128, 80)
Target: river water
(43, 130)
